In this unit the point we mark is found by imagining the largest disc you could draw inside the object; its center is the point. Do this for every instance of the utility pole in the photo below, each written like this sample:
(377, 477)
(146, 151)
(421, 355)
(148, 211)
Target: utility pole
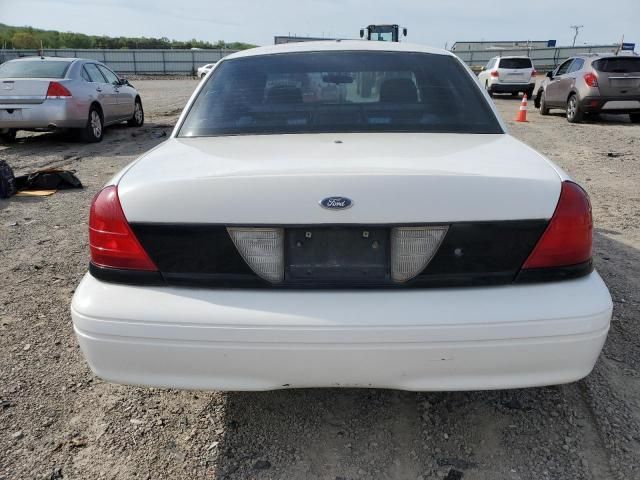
(575, 35)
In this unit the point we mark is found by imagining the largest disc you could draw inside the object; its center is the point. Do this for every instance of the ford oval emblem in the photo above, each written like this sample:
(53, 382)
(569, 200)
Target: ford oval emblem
(336, 203)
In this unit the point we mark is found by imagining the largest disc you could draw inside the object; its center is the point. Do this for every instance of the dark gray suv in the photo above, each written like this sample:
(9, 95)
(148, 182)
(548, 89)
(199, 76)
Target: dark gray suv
(593, 84)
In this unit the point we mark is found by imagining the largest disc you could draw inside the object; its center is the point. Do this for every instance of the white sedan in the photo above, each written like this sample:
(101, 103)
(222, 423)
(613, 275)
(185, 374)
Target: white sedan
(347, 214)
(203, 70)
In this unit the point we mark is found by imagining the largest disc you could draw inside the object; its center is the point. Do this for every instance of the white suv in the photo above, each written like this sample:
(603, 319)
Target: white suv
(509, 75)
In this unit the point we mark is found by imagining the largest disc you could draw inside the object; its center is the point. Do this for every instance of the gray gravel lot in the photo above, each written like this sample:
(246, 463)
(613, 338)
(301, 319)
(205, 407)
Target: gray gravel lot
(58, 421)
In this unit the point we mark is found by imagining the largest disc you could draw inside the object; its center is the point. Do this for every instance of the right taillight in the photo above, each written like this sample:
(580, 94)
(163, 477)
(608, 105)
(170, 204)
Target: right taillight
(111, 240)
(590, 79)
(57, 90)
(568, 237)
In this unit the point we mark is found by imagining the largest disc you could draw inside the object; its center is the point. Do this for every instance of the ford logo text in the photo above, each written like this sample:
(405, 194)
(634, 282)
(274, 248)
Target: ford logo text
(336, 203)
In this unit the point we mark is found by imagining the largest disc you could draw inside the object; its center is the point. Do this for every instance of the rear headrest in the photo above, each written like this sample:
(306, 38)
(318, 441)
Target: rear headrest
(284, 94)
(399, 90)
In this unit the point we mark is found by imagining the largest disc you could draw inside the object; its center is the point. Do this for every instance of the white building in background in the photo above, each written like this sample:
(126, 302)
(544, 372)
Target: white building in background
(501, 44)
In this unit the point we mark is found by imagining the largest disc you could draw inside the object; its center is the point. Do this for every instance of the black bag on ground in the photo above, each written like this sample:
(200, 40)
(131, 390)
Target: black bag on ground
(50, 179)
(7, 180)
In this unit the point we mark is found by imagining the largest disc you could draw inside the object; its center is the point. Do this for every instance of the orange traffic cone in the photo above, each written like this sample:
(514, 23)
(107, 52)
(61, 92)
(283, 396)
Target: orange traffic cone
(522, 113)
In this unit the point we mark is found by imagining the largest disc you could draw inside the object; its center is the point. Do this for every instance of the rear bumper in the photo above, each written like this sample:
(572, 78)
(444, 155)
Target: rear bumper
(617, 105)
(48, 115)
(511, 87)
(437, 339)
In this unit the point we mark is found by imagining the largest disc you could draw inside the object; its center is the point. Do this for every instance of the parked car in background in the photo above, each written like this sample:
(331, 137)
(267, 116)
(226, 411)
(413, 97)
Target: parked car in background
(593, 84)
(49, 93)
(203, 70)
(390, 234)
(509, 75)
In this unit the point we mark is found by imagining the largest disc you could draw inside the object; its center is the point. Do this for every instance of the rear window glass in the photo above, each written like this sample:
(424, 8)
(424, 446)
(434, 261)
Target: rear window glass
(34, 69)
(617, 65)
(515, 63)
(317, 92)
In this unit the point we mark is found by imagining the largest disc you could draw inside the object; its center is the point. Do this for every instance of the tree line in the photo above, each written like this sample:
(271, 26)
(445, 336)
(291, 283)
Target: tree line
(23, 38)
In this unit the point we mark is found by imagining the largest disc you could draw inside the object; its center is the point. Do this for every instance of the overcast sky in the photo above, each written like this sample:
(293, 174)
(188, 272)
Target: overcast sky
(257, 21)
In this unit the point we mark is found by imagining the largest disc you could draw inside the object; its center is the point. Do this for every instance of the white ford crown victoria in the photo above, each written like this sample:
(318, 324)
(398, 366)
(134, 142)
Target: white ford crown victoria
(341, 214)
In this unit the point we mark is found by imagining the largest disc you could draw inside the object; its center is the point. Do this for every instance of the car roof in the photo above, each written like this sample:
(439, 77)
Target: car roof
(512, 56)
(338, 45)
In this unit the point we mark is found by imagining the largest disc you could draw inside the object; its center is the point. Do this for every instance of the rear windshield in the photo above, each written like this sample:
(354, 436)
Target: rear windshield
(34, 69)
(617, 65)
(515, 63)
(346, 91)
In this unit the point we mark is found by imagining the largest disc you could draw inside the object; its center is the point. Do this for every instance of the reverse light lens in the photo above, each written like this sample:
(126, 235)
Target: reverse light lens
(568, 238)
(412, 248)
(111, 240)
(262, 249)
(57, 90)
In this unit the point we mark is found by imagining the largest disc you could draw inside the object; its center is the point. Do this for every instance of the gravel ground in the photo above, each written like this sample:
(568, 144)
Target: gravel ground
(58, 421)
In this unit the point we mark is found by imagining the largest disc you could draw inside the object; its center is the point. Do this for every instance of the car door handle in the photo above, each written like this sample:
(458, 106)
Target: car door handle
(98, 89)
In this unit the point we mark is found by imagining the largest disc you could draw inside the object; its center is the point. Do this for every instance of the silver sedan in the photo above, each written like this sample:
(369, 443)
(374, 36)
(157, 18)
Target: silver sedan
(42, 94)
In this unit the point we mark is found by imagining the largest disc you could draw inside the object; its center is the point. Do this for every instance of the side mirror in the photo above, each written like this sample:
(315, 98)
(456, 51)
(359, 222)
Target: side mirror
(549, 74)
(404, 32)
(362, 33)
(483, 69)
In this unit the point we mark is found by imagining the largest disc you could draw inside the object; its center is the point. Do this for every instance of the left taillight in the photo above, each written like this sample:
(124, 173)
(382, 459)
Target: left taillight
(111, 240)
(57, 90)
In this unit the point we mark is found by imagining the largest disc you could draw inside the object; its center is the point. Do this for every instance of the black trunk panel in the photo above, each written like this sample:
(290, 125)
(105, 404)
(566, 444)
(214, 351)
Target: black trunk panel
(336, 256)
(485, 248)
(191, 249)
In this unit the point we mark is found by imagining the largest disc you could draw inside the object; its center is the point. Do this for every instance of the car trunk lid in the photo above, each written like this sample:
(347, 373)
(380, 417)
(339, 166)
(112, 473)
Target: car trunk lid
(24, 90)
(392, 178)
(618, 76)
(515, 70)
(514, 75)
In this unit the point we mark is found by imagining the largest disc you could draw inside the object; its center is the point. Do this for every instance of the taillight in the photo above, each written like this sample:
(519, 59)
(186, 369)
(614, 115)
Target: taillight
(533, 73)
(494, 73)
(568, 238)
(57, 90)
(111, 240)
(590, 79)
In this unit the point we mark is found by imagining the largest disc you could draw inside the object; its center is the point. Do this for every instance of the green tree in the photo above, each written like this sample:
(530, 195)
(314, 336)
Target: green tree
(24, 40)
(30, 38)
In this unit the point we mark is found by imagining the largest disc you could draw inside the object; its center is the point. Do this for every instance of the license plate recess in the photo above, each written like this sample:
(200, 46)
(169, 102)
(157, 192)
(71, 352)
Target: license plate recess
(334, 255)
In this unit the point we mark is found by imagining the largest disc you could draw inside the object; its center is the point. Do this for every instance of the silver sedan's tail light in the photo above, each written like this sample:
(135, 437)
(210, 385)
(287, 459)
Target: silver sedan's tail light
(262, 249)
(412, 248)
